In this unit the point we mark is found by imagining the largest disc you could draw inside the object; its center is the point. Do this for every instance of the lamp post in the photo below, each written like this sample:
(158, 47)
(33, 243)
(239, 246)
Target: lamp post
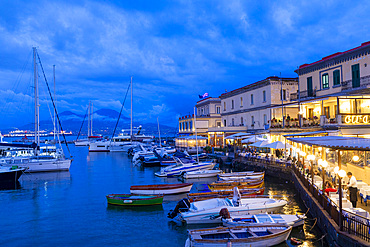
(341, 174)
(311, 158)
(324, 164)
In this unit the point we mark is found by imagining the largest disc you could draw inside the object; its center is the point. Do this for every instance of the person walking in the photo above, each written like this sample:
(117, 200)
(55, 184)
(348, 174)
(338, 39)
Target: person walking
(352, 187)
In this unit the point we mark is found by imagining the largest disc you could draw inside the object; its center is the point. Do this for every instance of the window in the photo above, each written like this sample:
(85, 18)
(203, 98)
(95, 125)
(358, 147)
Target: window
(180, 126)
(252, 118)
(336, 77)
(232, 104)
(252, 99)
(241, 101)
(218, 109)
(264, 96)
(191, 125)
(283, 94)
(309, 87)
(355, 75)
(264, 119)
(335, 110)
(218, 124)
(325, 81)
(224, 106)
(241, 121)
(225, 122)
(201, 112)
(232, 122)
(186, 125)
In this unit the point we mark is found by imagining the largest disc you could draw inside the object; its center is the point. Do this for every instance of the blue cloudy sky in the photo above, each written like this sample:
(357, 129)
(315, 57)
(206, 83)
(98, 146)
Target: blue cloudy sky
(174, 50)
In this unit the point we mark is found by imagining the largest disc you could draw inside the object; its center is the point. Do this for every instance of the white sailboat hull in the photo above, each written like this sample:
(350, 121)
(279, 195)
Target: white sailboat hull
(46, 165)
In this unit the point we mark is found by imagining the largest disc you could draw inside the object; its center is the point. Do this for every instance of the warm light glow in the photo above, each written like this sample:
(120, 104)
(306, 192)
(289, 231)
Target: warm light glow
(311, 157)
(336, 169)
(319, 162)
(342, 173)
(355, 158)
(345, 106)
(303, 154)
(327, 151)
(320, 148)
(298, 150)
(317, 110)
(324, 164)
(301, 112)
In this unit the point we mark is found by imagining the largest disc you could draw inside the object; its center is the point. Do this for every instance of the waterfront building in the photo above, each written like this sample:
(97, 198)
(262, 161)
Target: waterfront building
(208, 115)
(253, 107)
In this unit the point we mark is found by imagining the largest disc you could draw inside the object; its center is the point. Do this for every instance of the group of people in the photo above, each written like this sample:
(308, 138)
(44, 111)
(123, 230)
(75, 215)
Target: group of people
(352, 188)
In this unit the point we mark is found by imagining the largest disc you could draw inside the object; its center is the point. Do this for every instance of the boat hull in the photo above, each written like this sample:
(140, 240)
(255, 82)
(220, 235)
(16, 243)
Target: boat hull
(250, 220)
(10, 176)
(46, 165)
(177, 171)
(241, 237)
(229, 185)
(166, 189)
(134, 200)
(202, 174)
(225, 193)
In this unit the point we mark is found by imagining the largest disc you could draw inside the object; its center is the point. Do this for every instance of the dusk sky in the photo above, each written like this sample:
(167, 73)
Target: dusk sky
(175, 50)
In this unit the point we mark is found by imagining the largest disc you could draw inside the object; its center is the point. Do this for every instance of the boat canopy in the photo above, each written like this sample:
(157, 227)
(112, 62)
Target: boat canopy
(18, 145)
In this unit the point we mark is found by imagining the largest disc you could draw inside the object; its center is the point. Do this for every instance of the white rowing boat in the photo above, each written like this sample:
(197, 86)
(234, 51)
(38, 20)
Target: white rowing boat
(165, 189)
(201, 174)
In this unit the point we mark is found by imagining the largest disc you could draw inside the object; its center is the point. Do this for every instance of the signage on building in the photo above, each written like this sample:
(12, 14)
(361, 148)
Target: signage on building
(356, 119)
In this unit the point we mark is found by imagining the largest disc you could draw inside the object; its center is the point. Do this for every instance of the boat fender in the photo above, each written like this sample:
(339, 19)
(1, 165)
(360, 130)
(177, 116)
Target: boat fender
(224, 213)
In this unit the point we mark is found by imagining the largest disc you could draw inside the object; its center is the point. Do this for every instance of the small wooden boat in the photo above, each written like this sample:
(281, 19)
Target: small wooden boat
(164, 189)
(134, 200)
(231, 176)
(247, 220)
(224, 193)
(217, 186)
(241, 236)
(201, 174)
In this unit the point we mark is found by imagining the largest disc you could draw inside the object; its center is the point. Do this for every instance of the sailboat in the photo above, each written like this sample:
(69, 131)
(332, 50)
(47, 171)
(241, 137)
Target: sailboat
(90, 137)
(45, 158)
(122, 142)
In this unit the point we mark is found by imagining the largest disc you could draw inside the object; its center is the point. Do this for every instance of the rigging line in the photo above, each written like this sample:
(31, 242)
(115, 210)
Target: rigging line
(83, 125)
(52, 100)
(121, 110)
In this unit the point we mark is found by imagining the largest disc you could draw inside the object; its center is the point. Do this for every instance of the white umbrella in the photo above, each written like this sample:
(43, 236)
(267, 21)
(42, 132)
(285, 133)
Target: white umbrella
(259, 144)
(253, 139)
(237, 135)
(278, 145)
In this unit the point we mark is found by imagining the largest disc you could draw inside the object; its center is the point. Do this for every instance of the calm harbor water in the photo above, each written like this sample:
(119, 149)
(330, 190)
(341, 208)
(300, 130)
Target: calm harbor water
(70, 208)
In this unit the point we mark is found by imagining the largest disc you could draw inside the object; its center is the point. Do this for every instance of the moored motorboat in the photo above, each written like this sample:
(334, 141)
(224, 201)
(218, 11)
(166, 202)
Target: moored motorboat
(222, 185)
(255, 175)
(293, 220)
(165, 189)
(224, 193)
(207, 211)
(180, 168)
(241, 236)
(233, 174)
(10, 175)
(201, 174)
(134, 200)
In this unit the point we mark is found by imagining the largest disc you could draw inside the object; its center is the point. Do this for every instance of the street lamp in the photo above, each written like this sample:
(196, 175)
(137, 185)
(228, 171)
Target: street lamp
(311, 158)
(324, 164)
(341, 174)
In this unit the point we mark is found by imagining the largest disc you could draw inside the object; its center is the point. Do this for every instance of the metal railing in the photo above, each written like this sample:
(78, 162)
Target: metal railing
(352, 223)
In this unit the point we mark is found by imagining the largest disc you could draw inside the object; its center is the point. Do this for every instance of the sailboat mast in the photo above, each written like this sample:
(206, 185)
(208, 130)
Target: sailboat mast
(159, 134)
(131, 110)
(196, 134)
(37, 137)
(88, 119)
(92, 115)
(54, 98)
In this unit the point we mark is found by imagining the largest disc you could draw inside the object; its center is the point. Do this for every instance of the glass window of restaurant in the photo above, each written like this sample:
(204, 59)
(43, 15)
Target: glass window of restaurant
(354, 106)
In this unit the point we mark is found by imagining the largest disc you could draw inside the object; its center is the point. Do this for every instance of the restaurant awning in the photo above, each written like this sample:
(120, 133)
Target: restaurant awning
(311, 133)
(335, 142)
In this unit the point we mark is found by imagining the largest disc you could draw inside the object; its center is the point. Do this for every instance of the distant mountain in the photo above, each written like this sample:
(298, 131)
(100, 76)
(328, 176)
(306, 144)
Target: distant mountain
(104, 121)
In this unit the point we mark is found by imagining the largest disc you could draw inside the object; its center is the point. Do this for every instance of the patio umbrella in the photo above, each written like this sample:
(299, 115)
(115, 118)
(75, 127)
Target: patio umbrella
(278, 145)
(253, 139)
(259, 144)
(238, 135)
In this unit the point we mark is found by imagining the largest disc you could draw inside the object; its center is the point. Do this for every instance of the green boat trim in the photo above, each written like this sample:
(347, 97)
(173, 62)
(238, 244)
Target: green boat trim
(134, 200)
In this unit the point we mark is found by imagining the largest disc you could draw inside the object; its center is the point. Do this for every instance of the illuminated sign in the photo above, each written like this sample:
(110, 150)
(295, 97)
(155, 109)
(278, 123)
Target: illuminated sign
(356, 119)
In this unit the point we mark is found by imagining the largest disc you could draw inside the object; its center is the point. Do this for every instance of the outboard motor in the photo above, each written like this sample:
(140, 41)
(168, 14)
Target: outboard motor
(182, 206)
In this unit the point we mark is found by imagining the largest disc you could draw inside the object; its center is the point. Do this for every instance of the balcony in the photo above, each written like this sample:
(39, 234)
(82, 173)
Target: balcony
(304, 94)
(364, 83)
(228, 129)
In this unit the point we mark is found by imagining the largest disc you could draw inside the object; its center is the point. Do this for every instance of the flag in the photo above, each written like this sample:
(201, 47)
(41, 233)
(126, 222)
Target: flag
(205, 95)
